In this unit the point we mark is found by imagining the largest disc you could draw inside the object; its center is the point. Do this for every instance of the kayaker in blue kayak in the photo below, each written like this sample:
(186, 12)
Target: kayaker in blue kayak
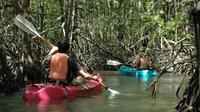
(142, 63)
(62, 69)
(142, 67)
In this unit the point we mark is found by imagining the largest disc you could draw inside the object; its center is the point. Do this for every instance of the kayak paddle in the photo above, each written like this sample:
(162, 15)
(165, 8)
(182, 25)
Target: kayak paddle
(116, 63)
(28, 27)
(113, 62)
(107, 88)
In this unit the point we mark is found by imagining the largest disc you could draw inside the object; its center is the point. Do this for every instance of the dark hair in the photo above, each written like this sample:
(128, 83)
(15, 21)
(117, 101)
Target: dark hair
(63, 46)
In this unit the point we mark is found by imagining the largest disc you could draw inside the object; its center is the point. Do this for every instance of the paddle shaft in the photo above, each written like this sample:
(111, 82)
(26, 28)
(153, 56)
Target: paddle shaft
(49, 44)
(106, 87)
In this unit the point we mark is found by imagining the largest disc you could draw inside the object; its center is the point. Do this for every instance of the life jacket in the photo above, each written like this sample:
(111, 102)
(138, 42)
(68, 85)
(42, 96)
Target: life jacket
(59, 67)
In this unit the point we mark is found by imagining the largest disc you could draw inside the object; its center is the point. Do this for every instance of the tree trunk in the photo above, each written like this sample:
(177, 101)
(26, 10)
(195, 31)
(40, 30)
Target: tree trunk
(191, 96)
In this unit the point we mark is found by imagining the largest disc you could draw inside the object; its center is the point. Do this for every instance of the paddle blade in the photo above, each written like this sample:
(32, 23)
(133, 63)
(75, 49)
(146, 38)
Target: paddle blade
(114, 92)
(113, 62)
(25, 25)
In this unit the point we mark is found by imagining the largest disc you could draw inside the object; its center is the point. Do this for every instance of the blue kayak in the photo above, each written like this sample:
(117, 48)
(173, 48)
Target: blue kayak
(126, 70)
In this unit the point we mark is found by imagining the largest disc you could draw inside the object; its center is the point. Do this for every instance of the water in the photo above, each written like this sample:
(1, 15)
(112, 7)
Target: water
(125, 94)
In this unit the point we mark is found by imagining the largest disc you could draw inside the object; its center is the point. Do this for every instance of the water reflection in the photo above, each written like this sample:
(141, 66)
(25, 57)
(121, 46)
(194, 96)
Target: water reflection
(50, 106)
(144, 80)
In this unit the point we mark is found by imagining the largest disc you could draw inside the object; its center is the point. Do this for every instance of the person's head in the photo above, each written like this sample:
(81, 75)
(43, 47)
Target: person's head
(141, 55)
(63, 46)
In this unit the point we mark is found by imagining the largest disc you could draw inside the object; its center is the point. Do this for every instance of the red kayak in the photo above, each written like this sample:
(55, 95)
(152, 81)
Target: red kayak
(38, 92)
